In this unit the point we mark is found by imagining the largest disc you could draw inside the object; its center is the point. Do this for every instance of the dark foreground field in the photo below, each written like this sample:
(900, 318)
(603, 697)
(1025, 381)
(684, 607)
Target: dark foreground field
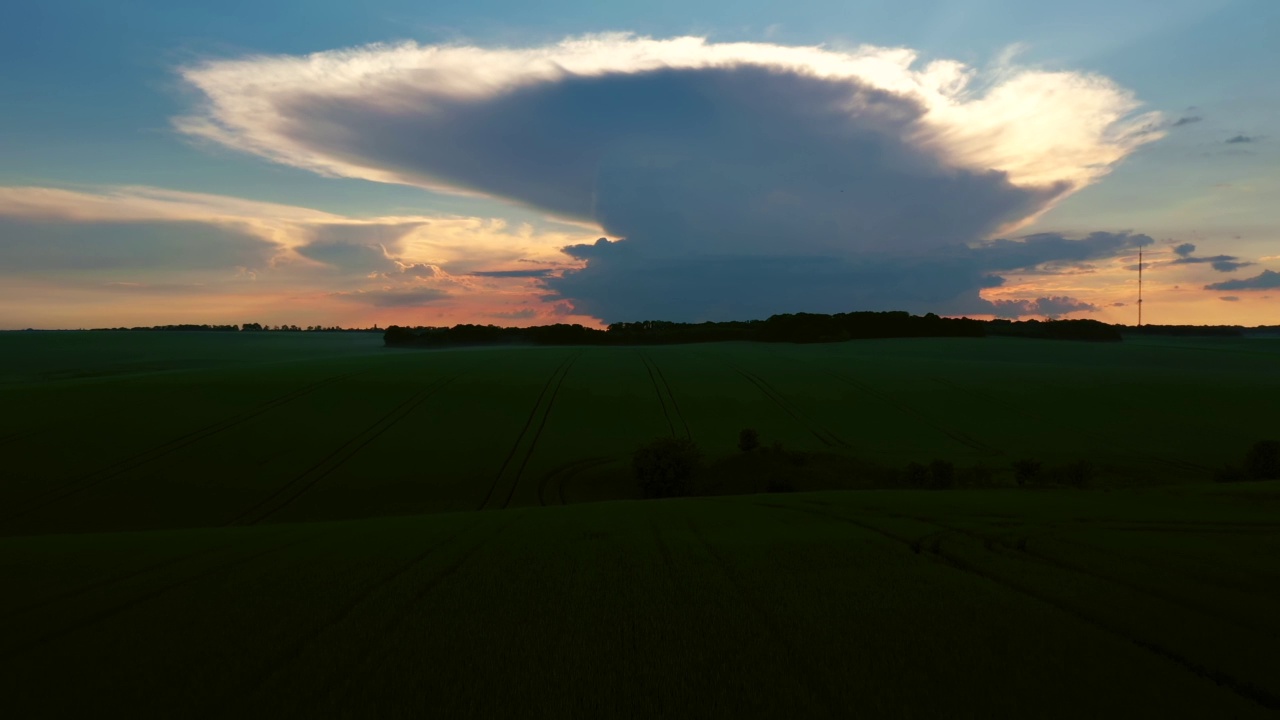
(261, 526)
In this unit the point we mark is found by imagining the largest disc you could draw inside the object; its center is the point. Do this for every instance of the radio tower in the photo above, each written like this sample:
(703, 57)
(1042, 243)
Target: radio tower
(1139, 287)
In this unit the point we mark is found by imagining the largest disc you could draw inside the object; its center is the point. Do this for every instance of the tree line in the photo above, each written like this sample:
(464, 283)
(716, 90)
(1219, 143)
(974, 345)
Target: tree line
(787, 328)
(246, 327)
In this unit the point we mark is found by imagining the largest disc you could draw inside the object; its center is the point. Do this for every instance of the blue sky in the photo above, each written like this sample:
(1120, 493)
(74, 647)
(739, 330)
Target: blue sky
(92, 91)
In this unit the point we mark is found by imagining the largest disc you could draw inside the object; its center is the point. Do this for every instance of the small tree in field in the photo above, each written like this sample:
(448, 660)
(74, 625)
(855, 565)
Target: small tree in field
(748, 440)
(665, 467)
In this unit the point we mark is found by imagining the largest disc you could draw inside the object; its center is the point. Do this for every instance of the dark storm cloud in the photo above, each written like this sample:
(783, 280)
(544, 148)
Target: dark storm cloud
(620, 284)
(739, 159)
(1266, 280)
(52, 246)
(1051, 307)
(742, 179)
(1043, 248)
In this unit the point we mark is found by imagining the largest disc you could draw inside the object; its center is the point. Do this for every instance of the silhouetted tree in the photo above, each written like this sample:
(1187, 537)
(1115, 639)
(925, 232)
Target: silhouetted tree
(917, 475)
(1078, 473)
(748, 440)
(666, 466)
(1027, 471)
(942, 474)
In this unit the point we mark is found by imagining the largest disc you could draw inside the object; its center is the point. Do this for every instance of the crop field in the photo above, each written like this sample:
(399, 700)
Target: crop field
(251, 524)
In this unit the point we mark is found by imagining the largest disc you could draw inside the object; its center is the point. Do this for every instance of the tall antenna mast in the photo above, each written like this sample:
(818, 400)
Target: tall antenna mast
(1139, 287)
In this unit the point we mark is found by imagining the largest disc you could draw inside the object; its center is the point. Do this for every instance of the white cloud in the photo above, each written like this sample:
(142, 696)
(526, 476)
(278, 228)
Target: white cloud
(1041, 127)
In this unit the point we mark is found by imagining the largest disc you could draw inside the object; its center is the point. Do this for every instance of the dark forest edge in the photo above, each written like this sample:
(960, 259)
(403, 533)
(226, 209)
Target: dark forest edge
(785, 328)
(794, 328)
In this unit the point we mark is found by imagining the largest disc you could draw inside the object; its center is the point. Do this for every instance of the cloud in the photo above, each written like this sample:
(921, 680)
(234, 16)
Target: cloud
(534, 273)
(523, 314)
(758, 170)
(1266, 280)
(1050, 307)
(31, 246)
(1187, 120)
(1230, 298)
(619, 283)
(1221, 263)
(394, 297)
(1039, 249)
(1241, 139)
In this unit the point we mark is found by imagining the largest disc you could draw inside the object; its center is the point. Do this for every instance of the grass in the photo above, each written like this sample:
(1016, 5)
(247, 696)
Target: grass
(1058, 603)
(302, 524)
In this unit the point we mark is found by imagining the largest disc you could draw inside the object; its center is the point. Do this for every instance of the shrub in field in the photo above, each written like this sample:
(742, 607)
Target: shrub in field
(666, 466)
(942, 474)
(1077, 474)
(748, 440)
(916, 475)
(1027, 471)
(1263, 460)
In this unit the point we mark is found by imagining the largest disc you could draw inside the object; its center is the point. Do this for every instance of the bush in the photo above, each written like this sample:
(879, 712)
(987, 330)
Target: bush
(748, 440)
(1077, 474)
(665, 467)
(1263, 460)
(1026, 472)
(942, 474)
(917, 475)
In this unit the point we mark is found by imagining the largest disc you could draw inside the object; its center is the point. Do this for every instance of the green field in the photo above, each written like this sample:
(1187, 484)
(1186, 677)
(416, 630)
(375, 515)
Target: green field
(264, 524)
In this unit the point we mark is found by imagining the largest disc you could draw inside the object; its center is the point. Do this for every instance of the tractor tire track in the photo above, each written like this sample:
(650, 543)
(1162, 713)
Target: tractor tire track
(11, 437)
(662, 401)
(824, 436)
(956, 435)
(108, 582)
(121, 467)
(296, 648)
(536, 421)
(392, 625)
(561, 472)
(821, 692)
(670, 408)
(1242, 688)
(1023, 550)
(108, 613)
(336, 459)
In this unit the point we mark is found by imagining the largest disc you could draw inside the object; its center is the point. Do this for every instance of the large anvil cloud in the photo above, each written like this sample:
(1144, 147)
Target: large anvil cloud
(726, 169)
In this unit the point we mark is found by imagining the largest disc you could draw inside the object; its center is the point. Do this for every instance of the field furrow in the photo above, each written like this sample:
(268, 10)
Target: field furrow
(507, 479)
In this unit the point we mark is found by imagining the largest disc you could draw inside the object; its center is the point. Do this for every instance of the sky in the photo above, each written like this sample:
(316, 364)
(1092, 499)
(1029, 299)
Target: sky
(394, 162)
